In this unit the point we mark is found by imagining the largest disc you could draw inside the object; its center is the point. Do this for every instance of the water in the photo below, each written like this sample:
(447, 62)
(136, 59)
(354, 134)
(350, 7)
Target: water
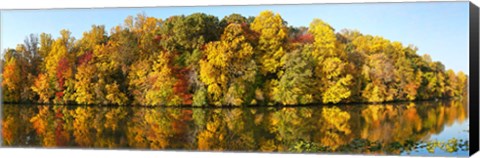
(423, 128)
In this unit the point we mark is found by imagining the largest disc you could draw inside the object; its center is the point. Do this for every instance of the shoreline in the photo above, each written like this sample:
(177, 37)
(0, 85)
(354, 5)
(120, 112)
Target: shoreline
(230, 106)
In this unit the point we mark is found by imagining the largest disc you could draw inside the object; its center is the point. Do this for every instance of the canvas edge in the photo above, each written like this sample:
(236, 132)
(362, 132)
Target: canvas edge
(1, 79)
(474, 78)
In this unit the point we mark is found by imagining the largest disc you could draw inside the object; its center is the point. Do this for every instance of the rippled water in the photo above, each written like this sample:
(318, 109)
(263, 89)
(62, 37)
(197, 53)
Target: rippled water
(422, 128)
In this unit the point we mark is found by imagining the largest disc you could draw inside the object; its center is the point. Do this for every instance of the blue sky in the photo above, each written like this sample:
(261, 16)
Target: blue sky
(437, 28)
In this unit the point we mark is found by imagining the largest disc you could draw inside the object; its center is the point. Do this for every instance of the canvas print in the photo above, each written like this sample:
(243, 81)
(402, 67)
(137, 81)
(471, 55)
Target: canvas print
(373, 78)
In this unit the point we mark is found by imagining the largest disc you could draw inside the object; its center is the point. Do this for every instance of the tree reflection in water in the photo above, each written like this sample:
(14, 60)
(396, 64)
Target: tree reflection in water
(376, 129)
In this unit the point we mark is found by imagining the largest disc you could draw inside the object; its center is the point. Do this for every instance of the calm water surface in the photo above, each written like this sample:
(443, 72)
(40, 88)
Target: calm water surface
(423, 128)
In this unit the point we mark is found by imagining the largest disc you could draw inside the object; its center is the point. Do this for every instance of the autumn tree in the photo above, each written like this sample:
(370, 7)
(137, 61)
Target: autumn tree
(332, 65)
(161, 81)
(269, 39)
(137, 86)
(463, 83)
(228, 68)
(407, 76)
(137, 44)
(295, 80)
(186, 37)
(11, 82)
(110, 75)
(272, 39)
(84, 91)
(59, 65)
(232, 18)
(379, 73)
(353, 41)
(18, 72)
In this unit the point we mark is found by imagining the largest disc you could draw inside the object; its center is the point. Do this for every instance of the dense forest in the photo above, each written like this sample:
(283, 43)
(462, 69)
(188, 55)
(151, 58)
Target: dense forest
(200, 60)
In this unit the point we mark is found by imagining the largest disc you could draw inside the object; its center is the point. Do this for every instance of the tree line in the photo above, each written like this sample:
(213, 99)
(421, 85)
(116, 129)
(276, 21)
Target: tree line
(200, 60)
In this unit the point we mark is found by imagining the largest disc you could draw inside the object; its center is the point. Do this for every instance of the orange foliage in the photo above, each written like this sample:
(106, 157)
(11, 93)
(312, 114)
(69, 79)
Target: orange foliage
(181, 86)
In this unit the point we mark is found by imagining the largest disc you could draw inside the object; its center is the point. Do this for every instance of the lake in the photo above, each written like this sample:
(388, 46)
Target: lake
(420, 128)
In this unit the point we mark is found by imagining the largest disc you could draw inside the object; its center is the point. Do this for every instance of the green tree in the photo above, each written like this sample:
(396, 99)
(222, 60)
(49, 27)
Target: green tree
(295, 81)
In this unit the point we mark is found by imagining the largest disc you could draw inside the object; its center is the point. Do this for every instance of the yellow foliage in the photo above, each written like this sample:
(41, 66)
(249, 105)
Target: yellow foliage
(42, 88)
(227, 67)
(325, 43)
(273, 35)
(84, 84)
(82, 124)
(336, 119)
(114, 95)
(338, 91)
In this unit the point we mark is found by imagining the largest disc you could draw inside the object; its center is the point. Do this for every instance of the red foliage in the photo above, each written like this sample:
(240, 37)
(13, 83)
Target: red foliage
(86, 57)
(187, 115)
(59, 114)
(59, 94)
(59, 139)
(304, 38)
(179, 125)
(63, 66)
(158, 38)
(244, 25)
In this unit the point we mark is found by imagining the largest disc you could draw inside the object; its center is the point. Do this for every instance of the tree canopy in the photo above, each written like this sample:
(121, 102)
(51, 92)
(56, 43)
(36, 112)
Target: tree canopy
(202, 60)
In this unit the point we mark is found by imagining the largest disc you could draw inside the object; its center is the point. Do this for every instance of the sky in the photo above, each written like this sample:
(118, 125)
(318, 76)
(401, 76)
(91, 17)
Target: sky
(436, 28)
